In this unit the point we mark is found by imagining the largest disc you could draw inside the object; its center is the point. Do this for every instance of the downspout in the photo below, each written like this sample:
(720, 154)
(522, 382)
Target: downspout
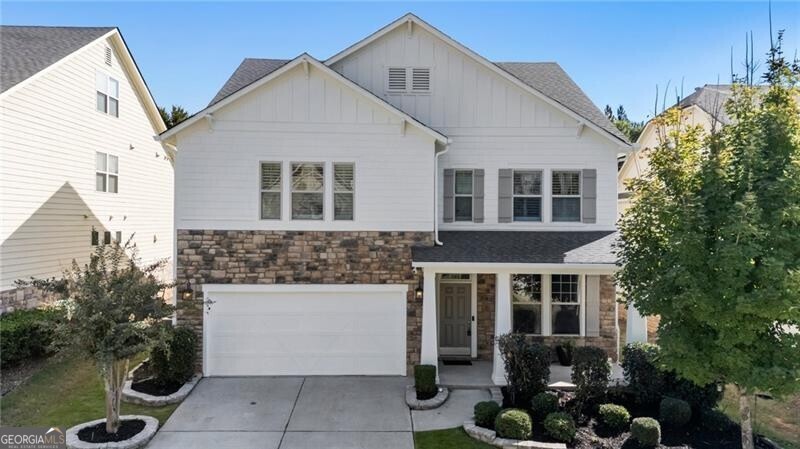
(436, 193)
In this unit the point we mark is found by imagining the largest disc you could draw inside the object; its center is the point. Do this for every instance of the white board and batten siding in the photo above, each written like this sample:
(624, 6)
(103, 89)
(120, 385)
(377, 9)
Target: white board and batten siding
(301, 117)
(50, 131)
(493, 123)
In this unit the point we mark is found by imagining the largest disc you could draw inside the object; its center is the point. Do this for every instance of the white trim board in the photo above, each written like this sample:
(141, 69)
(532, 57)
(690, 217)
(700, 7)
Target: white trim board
(544, 268)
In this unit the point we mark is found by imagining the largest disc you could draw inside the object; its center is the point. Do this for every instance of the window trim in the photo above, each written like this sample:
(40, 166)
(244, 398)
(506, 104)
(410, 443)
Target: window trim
(540, 303)
(323, 192)
(107, 173)
(547, 304)
(540, 196)
(334, 191)
(471, 195)
(107, 93)
(579, 196)
(579, 304)
(261, 191)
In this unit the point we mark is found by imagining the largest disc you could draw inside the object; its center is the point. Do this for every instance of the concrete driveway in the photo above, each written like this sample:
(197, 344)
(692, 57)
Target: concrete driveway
(291, 413)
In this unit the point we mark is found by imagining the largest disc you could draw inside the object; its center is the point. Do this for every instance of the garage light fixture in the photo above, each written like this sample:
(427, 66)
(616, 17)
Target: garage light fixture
(187, 294)
(418, 290)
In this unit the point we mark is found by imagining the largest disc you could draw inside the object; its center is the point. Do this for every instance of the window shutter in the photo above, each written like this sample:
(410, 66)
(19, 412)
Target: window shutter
(592, 306)
(397, 79)
(477, 195)
(589, 200)
(449, 204)
(421, 80)
(504, 201)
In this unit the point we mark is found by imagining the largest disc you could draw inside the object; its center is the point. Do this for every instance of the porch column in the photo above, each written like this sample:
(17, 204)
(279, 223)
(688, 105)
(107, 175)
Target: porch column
(636, 328)
(502, 323)
(429, 353)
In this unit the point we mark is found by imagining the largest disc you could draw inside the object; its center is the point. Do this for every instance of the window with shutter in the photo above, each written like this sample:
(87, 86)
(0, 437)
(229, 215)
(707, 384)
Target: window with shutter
(527, 195)
(421, 80)
(270, 190)
(463, 195)
(397, 79)
(566, 196)
(343, 191)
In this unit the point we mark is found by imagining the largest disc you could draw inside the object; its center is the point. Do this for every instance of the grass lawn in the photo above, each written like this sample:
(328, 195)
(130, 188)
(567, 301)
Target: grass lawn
(778, 420)
(66, 392)
(447, 439)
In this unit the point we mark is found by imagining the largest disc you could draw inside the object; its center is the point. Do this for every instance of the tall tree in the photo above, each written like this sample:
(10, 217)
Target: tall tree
(176, 115)
(631, 129)
(711, 242)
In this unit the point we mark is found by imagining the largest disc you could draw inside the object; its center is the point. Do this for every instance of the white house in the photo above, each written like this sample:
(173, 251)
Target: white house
(404, 201)
(79, 165)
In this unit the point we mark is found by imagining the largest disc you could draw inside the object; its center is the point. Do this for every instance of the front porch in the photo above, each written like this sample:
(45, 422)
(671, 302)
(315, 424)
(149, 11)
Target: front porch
(479, 375)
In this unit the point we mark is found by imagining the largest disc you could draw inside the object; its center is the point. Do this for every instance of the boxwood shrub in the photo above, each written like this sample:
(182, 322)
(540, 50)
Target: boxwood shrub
(614, 417)
(646, 431)
(513, 423)
(425, 381)
(674, 412)
(174, 363)
(542, 405)
(485, 413)
(25, 334)
(560, 426)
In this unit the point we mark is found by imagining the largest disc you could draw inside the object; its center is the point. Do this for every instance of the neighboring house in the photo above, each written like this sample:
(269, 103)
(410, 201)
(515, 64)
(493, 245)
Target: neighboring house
(79, 166)
(310, 196)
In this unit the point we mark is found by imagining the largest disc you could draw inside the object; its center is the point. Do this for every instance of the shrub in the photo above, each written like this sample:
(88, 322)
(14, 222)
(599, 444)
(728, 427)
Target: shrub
(639, 365)
(485, 413)
(590, 373)
(560, 426)
(527, 368)
(646, 431)
(425, 381)
(513, 423)
(674, 412)
(615, 417)
(700, 397)
(542, 405)
(564, 352)
(173, 361)
(25, 334)
(718, 421)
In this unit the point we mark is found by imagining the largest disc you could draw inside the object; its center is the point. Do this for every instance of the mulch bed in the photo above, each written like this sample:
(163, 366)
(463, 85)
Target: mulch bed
(97, 433)
(153, 388)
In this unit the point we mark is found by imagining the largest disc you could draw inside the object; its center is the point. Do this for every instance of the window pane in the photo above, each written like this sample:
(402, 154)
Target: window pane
(564, 287)
(307, 206)
(100, 161)
(95, 238)
(307, 177)
(463, 208)
(527, 318)
(343, 178)
(526, 288)
(106, 237)
(113, 88)
(527, 182)
(118, 237)
(463, 183)
(100, 82)
(566, 183)
(101, 102)
(113, 183)
(566, 209)
(113, 164)
(100, 182)
(271, 205)
(566, 320)
(342, 206)
(113, 107)
(271, 176)
(527, 209)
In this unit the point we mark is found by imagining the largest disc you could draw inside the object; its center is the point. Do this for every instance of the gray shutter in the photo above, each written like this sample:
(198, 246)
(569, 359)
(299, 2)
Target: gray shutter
(477, 195)
(504, 188)
(449, 204)
(589, 200)
(592, 306)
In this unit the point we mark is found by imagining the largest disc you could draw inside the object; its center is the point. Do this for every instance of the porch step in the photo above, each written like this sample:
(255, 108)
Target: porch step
(562, 386)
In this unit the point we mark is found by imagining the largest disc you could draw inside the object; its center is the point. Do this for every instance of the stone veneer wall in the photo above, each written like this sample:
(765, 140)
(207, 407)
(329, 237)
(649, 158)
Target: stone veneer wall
(486, 301)
(20, 298)
(298, 257)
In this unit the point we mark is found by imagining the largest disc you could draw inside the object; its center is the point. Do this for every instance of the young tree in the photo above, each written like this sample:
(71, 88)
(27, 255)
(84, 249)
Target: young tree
(712, 243)
(113, 312)
(175, 116)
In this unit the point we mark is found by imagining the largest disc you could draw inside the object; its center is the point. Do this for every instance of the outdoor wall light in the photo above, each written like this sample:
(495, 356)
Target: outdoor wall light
(418, 290)
(187, 294)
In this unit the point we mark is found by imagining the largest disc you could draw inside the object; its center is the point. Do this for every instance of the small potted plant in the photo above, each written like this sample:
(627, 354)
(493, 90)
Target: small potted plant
(564, 352)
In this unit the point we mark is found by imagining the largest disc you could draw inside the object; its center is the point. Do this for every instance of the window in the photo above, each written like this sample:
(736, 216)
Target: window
(308, 191)
(95, 238)
(118, 237)
(526, 303)
(270, 190)
(565, 304)
(343, 191)
(527, 195)
(463, 195)
(455, 277)
(398, 78)
(566, 196)
(106, 172)
(107, 94)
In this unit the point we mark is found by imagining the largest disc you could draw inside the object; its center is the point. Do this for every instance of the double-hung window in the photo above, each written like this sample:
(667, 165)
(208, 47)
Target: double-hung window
(106, 172)
(527, 195)
(463, 195)
(107, 94)
(343, 191)
(308, 191)
(526, 304)
(565, 304)
(566, 196)
(270, 190)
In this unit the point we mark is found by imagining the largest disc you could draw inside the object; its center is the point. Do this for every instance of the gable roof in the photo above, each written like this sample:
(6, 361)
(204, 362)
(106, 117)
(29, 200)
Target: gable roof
(249, 71)
(27, 50)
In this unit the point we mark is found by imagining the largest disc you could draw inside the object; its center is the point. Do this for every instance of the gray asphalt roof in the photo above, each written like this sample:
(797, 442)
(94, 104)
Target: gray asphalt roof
(710, 98)
(577, 247)
(546, 77)
(27, 50)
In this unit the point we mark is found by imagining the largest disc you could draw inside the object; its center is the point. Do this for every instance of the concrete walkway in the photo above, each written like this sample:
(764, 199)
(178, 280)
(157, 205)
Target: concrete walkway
(452, 413)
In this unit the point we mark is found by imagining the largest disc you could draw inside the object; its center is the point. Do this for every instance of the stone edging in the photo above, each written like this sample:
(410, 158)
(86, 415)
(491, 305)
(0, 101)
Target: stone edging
(137, 397)
(139, 440)
(490, 437)
(427, 404)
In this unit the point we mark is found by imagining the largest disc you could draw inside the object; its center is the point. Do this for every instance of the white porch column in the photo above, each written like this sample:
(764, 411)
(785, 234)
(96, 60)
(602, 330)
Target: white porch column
(429, 352)
(502, 323)
(636, 327)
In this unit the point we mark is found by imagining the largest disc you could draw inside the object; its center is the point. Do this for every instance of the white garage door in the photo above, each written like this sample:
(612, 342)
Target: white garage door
(255, 330)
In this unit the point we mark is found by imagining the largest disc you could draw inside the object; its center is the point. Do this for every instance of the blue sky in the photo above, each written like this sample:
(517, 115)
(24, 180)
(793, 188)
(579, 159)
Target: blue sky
(617, 52)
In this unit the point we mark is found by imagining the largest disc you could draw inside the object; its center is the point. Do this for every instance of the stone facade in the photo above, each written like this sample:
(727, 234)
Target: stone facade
(298, 257)
(486, 302)
(21, 298)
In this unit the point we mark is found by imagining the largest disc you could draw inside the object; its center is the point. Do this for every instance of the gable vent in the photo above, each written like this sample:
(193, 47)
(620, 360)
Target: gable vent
(108, 56)
(421, 80)
(397, 79)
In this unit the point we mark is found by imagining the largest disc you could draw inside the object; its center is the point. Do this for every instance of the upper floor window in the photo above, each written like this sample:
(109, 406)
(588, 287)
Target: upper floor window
(106, 172)
(566, 196)
(463, 195)
(308, 191)
(565, 303)
(107, 94)
(343, 191)
(270, 190)
(408, 80)
(527, 195)
(526, 294)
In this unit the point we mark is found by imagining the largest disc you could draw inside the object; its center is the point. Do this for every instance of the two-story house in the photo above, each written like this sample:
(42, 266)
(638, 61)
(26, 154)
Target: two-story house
(78, 163)
(401, 202)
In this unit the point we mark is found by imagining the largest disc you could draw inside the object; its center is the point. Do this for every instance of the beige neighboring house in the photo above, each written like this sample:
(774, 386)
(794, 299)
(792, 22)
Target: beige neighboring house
(77, 153)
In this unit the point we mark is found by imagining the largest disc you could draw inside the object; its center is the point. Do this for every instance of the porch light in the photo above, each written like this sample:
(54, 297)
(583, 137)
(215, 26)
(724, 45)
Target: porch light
(187, 294)
(418, 290)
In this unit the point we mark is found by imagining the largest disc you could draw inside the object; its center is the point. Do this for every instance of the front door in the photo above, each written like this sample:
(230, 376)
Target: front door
(455, 322)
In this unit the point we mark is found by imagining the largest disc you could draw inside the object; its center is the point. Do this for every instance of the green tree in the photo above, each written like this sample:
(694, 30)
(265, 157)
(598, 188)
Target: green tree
(176, 115)
(712, 243)
(631, 129)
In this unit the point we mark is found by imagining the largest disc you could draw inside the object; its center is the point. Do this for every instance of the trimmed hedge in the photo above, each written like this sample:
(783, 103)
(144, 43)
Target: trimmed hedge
(590, 374)
(527, 367)
(674, 412)
(25, 334)
(485, 413)
(615, 417)
(174, 363)
(560, 426)
(513, 423)
(646, 431)
(542, 405)
(425, 381)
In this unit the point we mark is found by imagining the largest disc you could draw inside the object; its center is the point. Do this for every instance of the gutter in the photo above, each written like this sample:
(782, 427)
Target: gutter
(436, 193)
